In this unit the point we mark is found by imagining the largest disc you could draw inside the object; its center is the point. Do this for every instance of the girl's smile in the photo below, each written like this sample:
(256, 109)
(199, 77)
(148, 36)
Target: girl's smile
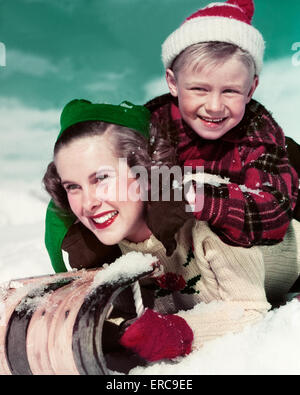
(103, 220)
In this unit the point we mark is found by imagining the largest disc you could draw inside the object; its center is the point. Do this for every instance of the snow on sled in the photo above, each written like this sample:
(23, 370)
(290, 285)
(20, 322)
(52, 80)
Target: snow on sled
(54, 324)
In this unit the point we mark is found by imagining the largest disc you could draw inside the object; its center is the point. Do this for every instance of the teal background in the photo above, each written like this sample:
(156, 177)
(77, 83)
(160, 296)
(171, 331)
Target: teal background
(107, 49)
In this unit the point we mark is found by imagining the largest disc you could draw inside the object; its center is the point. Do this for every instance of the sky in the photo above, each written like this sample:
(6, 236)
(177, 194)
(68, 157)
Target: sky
(110, 51)
(107, 50)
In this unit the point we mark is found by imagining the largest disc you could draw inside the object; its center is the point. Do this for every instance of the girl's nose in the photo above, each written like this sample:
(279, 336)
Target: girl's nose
(214, 104)
(90, 201)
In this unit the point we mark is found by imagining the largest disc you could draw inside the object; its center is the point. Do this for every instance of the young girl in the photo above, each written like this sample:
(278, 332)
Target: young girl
(90, 183)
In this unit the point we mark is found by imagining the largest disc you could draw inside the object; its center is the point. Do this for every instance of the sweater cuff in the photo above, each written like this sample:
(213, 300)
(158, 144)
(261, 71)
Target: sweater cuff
(218, 318)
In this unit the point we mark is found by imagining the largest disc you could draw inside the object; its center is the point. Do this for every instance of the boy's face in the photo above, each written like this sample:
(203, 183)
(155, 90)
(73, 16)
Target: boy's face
(212, 100)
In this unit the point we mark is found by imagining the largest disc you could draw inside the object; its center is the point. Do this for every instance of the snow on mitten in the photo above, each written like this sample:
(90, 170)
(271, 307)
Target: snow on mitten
(156, 336)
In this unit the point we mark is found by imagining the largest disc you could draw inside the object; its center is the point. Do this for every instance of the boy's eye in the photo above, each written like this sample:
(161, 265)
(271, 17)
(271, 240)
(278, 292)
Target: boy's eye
(230, 91)
(102, 177)
(198, 88)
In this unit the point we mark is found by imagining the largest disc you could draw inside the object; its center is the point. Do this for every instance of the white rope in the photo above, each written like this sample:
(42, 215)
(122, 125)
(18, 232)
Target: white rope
(137, 296)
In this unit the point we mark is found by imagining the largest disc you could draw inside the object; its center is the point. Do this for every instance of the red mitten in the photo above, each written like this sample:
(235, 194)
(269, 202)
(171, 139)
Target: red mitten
(156, 336)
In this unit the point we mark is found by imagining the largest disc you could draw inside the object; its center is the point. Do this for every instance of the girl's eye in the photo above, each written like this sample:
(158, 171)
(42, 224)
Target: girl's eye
(71, 187)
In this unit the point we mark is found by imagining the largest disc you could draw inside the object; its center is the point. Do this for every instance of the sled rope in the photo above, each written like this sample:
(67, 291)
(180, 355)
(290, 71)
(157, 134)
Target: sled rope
(137, 296)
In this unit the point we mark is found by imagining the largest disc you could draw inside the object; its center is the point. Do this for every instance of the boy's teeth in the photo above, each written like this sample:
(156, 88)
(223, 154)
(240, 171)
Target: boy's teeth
(213, 120)
(106, 217)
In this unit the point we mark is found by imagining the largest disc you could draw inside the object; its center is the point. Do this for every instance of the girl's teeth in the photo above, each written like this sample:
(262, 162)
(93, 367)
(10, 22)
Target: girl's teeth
(101, 220)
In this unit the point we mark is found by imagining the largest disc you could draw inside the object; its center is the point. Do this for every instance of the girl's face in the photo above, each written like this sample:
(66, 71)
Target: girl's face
(102, 193)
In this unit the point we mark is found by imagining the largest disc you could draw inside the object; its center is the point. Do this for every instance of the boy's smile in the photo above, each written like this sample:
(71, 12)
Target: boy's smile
(212, 99)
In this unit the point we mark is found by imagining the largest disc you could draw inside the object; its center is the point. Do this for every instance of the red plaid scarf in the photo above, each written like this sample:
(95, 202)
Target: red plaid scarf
(256, 207)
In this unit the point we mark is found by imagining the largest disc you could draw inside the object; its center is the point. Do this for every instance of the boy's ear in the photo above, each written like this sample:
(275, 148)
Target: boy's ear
(171, 81)
(253, 87)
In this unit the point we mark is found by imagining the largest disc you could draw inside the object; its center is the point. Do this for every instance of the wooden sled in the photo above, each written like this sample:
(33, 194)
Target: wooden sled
(53, 325)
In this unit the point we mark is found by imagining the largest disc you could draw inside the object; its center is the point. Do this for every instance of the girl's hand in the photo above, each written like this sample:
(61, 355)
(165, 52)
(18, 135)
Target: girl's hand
(156, 336)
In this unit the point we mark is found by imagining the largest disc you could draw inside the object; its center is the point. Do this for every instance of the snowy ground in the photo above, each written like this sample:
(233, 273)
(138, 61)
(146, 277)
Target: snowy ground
(270, 347)
(22, 251)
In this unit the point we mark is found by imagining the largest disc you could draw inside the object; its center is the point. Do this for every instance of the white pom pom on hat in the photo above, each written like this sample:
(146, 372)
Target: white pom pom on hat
(226, 22)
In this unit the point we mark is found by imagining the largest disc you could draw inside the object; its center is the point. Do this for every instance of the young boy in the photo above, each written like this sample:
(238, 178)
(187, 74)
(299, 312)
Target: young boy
(212, 63)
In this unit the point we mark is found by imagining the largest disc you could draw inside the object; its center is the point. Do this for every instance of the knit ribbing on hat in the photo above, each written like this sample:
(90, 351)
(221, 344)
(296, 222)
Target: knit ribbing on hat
(214, 28)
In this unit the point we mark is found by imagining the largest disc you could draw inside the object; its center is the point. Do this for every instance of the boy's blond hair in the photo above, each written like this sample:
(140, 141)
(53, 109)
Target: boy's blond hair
(228, 22)
(211, 53)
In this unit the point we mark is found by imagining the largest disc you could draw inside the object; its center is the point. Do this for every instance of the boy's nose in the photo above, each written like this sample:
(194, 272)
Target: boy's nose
(90, 201)
(214, 104)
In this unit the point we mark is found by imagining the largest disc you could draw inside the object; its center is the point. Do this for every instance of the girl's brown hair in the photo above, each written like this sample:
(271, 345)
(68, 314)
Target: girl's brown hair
(126, 143)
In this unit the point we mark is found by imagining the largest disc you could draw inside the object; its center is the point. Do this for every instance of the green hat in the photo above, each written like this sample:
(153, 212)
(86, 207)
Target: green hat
(126, 114)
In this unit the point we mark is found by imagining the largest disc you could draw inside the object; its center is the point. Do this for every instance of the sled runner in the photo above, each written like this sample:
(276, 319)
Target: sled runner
(54, 324)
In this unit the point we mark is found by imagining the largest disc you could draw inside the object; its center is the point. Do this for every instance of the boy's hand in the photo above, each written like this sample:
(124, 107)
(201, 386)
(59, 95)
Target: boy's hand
(156, 336)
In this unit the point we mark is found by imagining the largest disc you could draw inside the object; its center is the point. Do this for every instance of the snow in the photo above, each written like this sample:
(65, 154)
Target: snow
(126, 267)
(34, 298)
(270, 347)
(206, 178)
(213, 179)
(243, 188)
(22, 213)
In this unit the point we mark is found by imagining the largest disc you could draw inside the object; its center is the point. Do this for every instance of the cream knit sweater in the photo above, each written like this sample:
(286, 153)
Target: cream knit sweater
(225, 282)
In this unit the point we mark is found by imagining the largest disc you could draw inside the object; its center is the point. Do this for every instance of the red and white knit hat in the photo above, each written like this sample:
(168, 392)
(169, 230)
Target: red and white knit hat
(227, 22)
